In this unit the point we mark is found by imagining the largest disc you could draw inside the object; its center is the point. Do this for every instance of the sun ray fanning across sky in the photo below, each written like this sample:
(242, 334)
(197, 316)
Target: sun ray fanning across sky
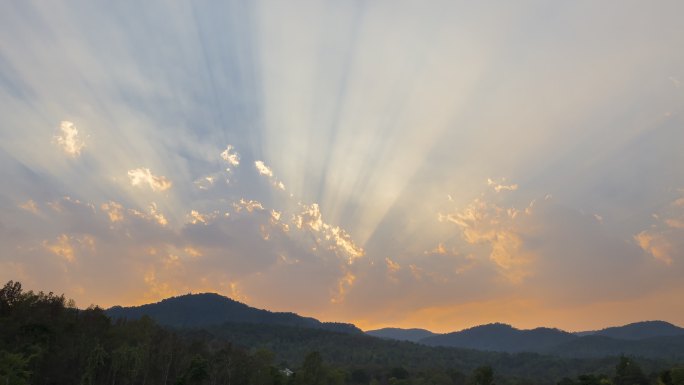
(386, 163)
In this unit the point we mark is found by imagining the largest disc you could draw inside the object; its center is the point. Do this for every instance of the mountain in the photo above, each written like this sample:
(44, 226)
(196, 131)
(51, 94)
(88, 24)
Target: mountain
(413, 335)
(201, 310)
(502, 338)
(652, 339)
(353, 351)
(639, 330)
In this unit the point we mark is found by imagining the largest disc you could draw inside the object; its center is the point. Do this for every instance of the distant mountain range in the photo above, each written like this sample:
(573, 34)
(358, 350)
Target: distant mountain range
(501, 337)
(413, 335)
(201, 310)
(638, 331)
(651, 339)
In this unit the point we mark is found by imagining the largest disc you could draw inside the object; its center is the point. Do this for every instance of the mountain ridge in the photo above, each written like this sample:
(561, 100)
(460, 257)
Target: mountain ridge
(206, 309)
(501, 337)
(399, 334)
(210, 309)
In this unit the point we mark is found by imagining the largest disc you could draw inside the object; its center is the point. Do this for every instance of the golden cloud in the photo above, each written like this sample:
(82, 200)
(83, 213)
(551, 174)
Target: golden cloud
(143, 176)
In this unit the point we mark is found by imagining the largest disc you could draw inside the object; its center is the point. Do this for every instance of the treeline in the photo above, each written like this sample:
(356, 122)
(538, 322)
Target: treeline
(45, 340)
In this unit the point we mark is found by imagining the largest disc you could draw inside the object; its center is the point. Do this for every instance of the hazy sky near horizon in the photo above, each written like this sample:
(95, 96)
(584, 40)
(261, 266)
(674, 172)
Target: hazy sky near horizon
(434, 164)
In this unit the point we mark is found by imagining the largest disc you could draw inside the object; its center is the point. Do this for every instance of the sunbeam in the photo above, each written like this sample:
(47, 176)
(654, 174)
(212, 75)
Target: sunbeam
(351, 160)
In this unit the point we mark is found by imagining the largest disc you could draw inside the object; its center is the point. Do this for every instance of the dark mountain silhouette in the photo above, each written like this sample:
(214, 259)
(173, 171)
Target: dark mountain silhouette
(200, 310)
(413, 335)
(651, 339)
(638, 331)
(502, 338)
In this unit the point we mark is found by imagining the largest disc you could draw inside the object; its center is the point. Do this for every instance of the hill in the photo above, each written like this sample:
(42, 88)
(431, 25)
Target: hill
(502, 338)
(201, 310)
(352, 351)
(663, 344)
(640, 330)
(413, 335)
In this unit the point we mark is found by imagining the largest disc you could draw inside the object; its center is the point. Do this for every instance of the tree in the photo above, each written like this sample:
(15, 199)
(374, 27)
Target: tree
(198, 372)
(10, 295)
(627, 372)
(13, 368)
(484, 375)
(399, 373)
(312, 371)
(677, 376)
(360, 376)
(457, 377)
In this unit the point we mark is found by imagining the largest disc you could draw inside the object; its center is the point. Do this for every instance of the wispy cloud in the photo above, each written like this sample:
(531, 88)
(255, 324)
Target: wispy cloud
(266, 171)
(30, 206)
(665, 239)
(231, 156)
(66, 246)
(499, 186)
(484, 222)
(656, 245)
(69, 140)
(114, 210)
(143, 176)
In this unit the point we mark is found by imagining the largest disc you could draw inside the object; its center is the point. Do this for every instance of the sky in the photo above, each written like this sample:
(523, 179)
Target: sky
(435, 164)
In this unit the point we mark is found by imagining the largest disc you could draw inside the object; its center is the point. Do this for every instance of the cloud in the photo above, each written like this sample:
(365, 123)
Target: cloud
(231, 156)
(62, 247)
(143, 176)
(656, 245)
(372, 145)
(249, 205)
(205, 182)
(66, 246)
(343, 285)
(159, 217)
(114, 210)
(266, 171)
(263, 169)
(69, 140)
(152, 215)
(196, 217)
(337, 238)
(485, 223)
(29, 206)
(499, 186)
(663, 240)
(392, 266)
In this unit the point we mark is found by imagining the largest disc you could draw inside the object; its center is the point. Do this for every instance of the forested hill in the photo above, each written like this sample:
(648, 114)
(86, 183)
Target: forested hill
(502, 337)
(653, 339)
(413, 335)
(200, 310)
(640, 330)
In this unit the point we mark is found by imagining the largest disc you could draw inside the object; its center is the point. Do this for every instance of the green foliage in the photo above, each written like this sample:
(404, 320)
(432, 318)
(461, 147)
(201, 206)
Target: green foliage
(628, 372)
(484, 375)
(45, 340)
(14, 368)
(677, 376)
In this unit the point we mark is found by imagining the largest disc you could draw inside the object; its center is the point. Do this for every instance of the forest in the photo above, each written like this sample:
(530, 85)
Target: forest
(45, 339)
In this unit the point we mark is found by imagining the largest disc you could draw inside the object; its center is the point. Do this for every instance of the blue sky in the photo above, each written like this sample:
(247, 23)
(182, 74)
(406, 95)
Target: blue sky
(396, 163)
